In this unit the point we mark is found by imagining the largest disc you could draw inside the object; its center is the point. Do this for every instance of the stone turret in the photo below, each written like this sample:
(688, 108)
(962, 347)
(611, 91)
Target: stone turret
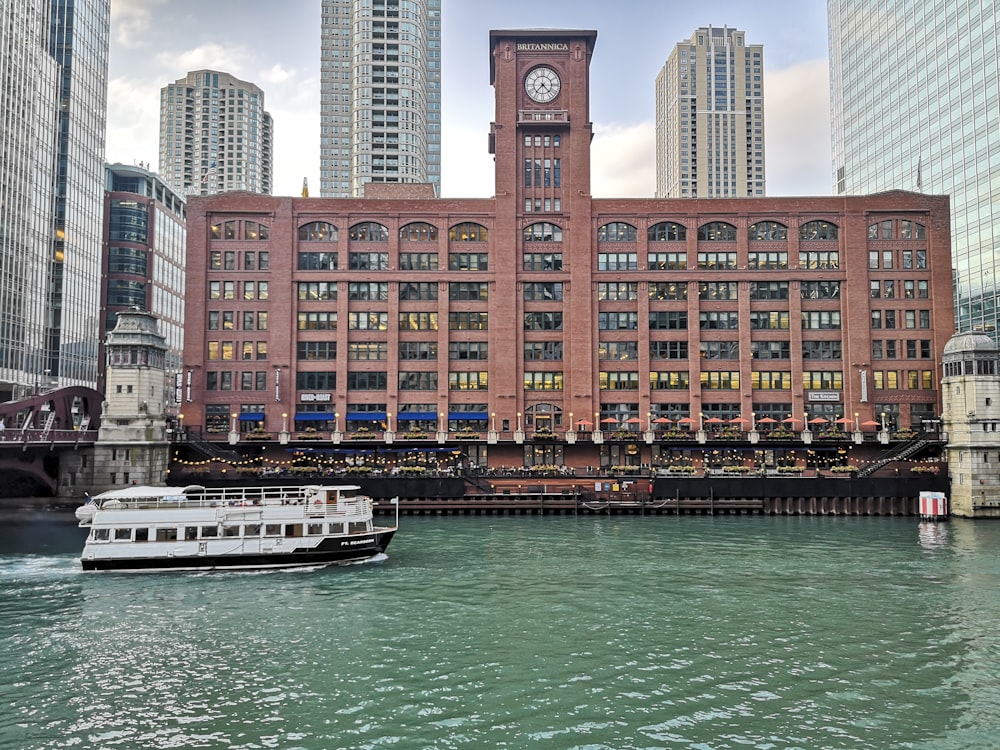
(971, 420)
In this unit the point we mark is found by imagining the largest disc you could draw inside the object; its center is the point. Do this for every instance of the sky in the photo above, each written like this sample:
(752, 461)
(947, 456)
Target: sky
(275, 44)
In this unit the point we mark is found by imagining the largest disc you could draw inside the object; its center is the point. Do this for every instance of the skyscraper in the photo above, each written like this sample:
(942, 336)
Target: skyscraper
(710, 117)
(915, 90)
(54, 69)
(380, 94)
(215, 135)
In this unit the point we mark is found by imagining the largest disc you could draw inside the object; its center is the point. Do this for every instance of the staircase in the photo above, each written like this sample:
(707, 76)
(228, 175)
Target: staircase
(212, 450)
(900, 452)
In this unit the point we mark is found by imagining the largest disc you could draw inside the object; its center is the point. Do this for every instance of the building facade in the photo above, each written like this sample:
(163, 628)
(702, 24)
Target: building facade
(710, 117)
(914, 94)
(543, 311)
(215, 135)
(380, 94)
(53, 68)
(145, 251)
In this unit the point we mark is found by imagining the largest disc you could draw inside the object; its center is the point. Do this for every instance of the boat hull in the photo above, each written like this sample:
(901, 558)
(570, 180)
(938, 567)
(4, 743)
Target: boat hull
(339, 550)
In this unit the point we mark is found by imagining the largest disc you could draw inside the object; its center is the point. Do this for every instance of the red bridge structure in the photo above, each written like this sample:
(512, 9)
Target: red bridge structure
(37, 432)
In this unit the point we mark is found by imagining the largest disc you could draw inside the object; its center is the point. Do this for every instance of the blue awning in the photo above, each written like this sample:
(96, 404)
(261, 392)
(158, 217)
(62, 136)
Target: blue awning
(313, 416)
(425, 416)
(366, 416)
(252, 416)
(468, 415)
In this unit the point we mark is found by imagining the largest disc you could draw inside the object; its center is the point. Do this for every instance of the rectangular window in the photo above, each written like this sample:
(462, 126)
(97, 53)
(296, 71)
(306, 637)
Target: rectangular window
(424, 350)
(472, 290)
(822, 320)
(367, 350)
(717, 261)
(316, 381)
(368, 261)
(468, 262)
(664, 290)
(377, 291)
(543, 321)
(617, 262)
(668, 349)
(618, 321)
(475, 350)
(614, 291)
(823, 381)
(367, 381)
(418, 381)
(468, 321)
(666, 320)
(720, 381)
(418, 321)
(770, 349)
(717, 290)
(670, 381)
(822, 350)
(768, 290)
(542, 261)
(418, 261)
(317, 261)
(317, 321)
(723, 320)
(769, 321)
(543, 381)
(771, 381)
(367, 321)
(774, 260)
(467, 381)
(720, 349)
(618, 350)
(618, 381)
(543, 351)
(666, 261)
(316, 350)
(418, 291)
(819, 259)
(316, 290)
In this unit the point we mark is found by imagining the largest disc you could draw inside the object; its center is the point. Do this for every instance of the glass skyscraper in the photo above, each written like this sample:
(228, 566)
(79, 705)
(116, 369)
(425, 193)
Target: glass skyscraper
(380, 94)
(916, 106)
(53, 100)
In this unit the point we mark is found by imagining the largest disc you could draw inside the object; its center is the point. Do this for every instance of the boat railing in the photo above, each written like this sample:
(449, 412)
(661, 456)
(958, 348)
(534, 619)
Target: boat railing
(241, 499)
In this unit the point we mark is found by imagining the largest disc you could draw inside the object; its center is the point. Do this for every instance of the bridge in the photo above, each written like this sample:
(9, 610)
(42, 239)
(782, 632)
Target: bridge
(36, 431)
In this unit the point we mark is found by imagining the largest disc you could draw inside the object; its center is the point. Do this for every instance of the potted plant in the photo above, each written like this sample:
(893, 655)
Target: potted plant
(361, 433)
(466, 433)
(925, 469)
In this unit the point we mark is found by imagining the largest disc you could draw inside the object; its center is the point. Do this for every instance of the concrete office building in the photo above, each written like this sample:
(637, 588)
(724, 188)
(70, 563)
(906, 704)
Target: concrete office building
(215, 135)
(543, 311)
(915, 92)
(145, 240)
(710, 117)
(380, 94)
(53, 99)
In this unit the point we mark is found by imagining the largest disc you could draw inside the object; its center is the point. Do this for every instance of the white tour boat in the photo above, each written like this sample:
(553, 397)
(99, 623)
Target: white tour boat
(194, 528)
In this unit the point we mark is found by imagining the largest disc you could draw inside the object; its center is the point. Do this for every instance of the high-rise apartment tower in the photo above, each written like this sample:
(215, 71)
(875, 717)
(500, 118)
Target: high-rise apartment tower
(710, 117)
(915, 87)
(380, 90)
(215, 135)
(54, 69)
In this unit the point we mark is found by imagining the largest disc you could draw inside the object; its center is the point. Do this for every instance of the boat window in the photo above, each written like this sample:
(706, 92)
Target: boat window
(100, 535)
(272, 529)
(207, 531)
(252, 529)
(123, 535)
(357, 527)
(190, 533)
(315, 528)
(231, 531)
(142, 535)
(166, 535)
(293, 530)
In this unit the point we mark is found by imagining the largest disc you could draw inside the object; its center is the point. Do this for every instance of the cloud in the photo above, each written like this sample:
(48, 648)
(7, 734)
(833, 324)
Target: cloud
(130, 20)
(797, 130)
(133, 121)
(231, 59)
(623, 161)
(276, 74)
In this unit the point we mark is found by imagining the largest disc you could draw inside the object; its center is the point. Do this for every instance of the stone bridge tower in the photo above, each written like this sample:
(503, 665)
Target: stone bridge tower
(132, 445)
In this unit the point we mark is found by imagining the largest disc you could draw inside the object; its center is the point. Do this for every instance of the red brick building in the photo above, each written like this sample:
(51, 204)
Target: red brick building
(484, 324)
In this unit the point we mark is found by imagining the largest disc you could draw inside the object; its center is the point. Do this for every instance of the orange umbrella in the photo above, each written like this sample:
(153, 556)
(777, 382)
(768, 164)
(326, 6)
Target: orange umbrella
(738, 420)
(767, 420)
(661, 420)
(791, 420)
(844, 420)
(633, 420)
(714, 420)
(818, 420)
(609, 420)
(582, 422)
(688, 420)
(869, 423)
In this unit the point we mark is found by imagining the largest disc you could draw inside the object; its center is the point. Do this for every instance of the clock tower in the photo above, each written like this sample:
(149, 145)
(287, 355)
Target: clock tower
(541, 138)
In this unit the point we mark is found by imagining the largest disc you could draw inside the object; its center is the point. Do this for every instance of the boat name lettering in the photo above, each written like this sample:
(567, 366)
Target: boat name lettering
(361, 541)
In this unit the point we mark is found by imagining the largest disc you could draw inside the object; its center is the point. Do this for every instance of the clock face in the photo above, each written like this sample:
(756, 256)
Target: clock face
(542, 84)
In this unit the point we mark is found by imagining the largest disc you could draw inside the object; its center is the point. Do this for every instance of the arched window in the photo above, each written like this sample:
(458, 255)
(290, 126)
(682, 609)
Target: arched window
(543, 416)
(418, 231)
(543, 232)
(817, 230)
(254, 231)
(768, 231)
(667, 231)
(717, 231)
(369, 231)
(318, 231)
(617, 231)
(468, 232)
